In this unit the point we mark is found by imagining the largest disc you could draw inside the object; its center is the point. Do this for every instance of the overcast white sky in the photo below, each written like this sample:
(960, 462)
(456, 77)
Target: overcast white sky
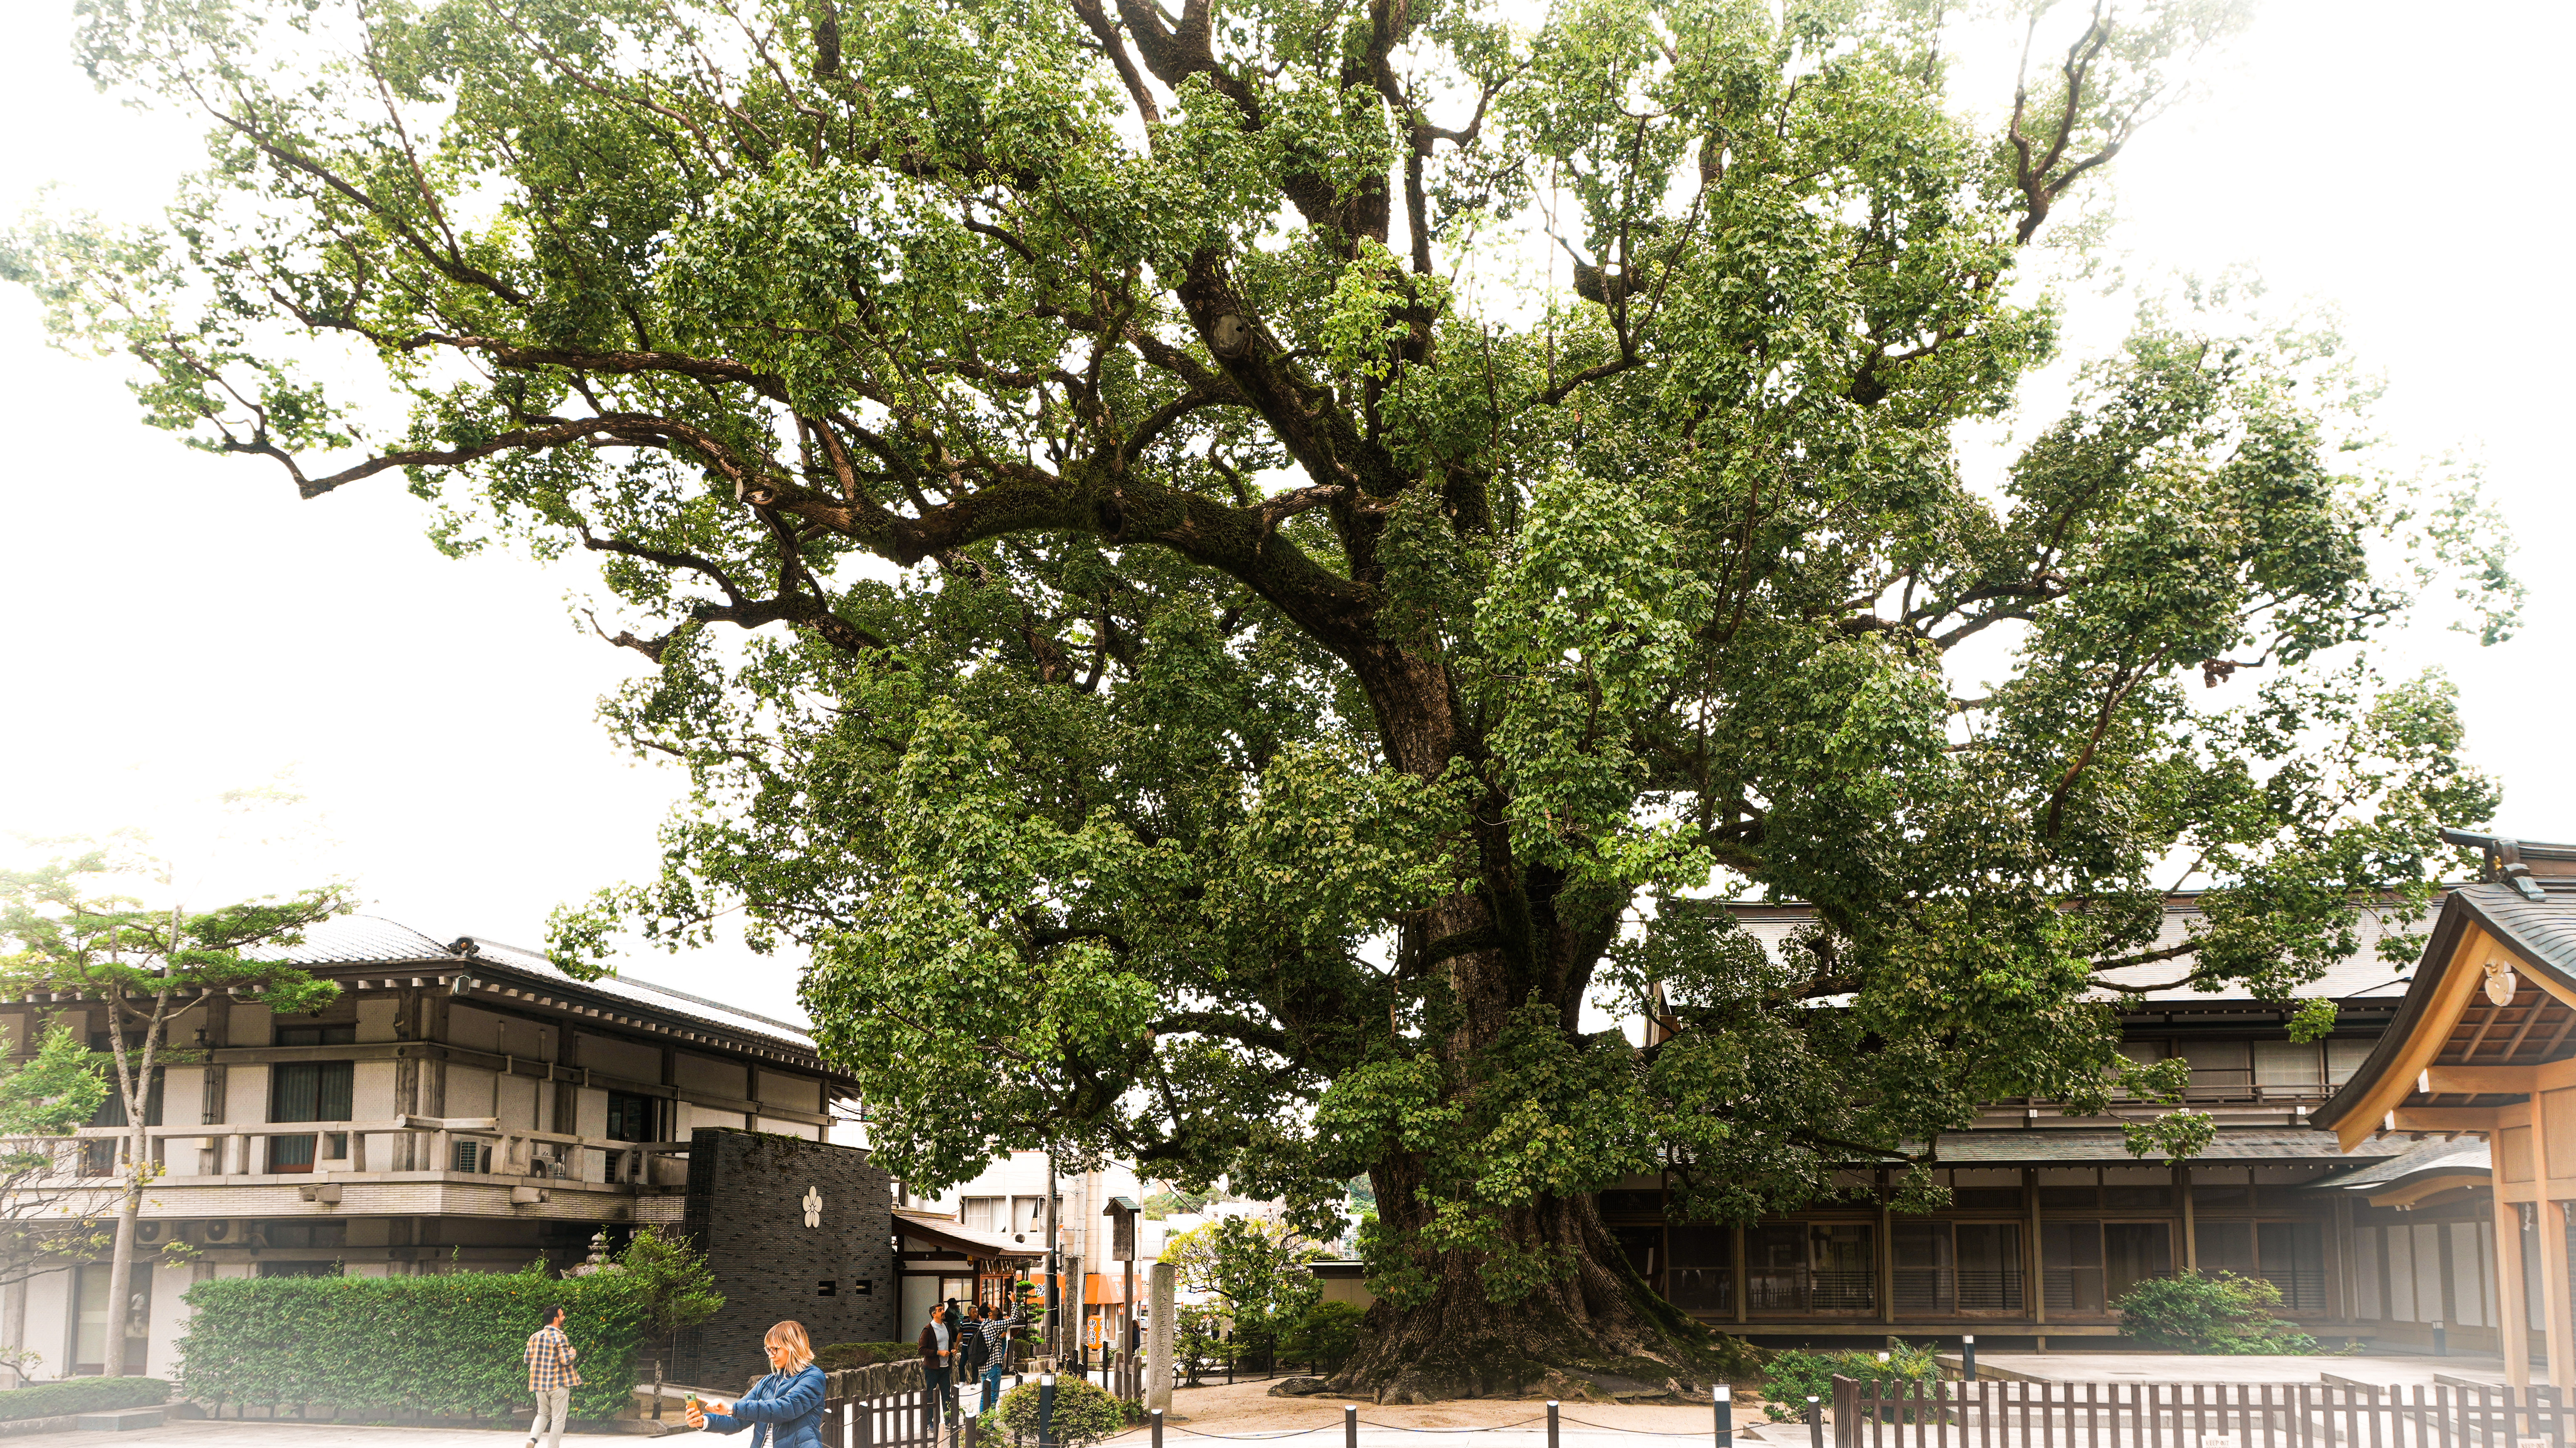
(183, 625)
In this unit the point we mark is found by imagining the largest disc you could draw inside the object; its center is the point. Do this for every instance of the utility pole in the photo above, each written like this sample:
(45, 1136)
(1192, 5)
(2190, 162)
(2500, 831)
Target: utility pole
(1055, 1268)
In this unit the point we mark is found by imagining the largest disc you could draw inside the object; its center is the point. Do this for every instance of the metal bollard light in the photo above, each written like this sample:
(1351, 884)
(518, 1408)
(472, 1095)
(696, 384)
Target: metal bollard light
(1968, 1357)
(1156, 1417)
(1551, 1423)
(1046, 1410)
(1725, 1396)
(1815, 1422)
(1350, 1425)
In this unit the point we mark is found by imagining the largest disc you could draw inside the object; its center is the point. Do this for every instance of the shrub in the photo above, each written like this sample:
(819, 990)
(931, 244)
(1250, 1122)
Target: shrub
(1325, 1334)
(836, 1356)
(81, 1395)
(1083, 1413)
(445, 1345)
(1792, 1375)
(2209, 1312)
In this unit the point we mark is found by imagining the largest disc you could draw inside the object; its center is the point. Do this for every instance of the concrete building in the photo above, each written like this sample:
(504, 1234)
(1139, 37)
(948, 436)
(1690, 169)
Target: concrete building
(462, 1106)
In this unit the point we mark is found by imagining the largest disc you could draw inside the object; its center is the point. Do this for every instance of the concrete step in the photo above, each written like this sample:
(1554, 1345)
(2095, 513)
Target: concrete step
(121, 1420)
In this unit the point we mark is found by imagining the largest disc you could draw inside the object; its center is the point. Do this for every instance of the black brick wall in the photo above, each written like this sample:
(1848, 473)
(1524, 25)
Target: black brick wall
(746, 1211)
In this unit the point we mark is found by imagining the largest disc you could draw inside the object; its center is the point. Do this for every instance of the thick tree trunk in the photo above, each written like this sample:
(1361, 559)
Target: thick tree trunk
(1597, 1333)
(1598, 1330)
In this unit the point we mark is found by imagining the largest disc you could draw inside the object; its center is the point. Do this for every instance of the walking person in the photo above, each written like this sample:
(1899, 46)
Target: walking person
(973, 1352)
(784, 1409)
(938, 1354)
(551, 1378)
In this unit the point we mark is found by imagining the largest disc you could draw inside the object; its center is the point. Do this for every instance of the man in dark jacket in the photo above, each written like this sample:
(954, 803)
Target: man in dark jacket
(938, 1353)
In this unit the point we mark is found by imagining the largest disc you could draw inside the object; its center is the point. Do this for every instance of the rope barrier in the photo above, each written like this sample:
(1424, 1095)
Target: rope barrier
(1641, 1432)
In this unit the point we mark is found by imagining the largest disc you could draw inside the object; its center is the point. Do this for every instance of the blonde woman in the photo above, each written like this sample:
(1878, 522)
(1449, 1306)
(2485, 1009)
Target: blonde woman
(784, 1409)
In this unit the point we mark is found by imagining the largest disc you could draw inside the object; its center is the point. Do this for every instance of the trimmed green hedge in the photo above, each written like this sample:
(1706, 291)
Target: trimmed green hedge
(445, 1345)
(833, 1357)
(81, 1395)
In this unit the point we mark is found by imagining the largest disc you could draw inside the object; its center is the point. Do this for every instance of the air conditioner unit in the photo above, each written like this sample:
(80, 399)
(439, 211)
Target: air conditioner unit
(472, 1155)
(147, 1231)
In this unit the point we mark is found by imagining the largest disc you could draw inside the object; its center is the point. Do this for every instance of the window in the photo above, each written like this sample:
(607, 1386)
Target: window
(630, 1116)
(301, 1233)
(305, 1091)
(111, 1112)
(980, 1213)
(2289, 1068)
(317, 1035)
(2365, 1275)
(1945, 1267)
(2344, 1056)
(1824, 1267)
(1701, 1274)
(2086, 1266)
(94, 1319)
(2289, 1255)
(98, 1157)
(2219, 1069)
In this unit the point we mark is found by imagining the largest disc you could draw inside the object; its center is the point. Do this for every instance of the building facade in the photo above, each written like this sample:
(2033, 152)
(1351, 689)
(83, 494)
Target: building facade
(461, 1106)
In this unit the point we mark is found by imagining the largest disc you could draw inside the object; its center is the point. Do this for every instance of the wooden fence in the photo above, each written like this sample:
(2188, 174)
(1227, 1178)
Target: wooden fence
(2187, 1415)
(906, 1419)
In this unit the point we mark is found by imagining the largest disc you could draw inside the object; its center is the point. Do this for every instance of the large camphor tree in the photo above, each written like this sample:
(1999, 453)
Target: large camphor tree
(1227, 566)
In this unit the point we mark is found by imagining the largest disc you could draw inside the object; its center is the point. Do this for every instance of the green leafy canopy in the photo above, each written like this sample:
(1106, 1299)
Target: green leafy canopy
(1219, 673)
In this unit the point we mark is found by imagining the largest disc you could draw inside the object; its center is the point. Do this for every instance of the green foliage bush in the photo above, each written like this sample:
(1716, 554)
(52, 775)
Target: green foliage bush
(1324, 1335)
(833, 1357)
(1083, 1413)
(1792, 1376)
(446, 1345)
(81, 1395)
(2209, 1312)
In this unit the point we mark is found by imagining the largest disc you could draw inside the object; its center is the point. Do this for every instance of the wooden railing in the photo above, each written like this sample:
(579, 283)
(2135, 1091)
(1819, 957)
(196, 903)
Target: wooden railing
(2192, 1415)
(512, 1151)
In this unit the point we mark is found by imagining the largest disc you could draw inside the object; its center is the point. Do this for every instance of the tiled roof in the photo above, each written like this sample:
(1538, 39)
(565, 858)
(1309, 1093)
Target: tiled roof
(2540, 933)
(2455, 1155)
(2545, 928)
(948, 1232)
(2042, 1146)
(371, 940)
(2359, 976)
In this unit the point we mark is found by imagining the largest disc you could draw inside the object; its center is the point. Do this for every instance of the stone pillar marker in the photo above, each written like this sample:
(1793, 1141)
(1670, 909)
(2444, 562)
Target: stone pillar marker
(1158, 1339)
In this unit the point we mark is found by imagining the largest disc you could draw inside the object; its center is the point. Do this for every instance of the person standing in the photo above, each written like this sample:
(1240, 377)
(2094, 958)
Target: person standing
(938, 1351)
(996, 1331)
(551, 1378)
(784, 1409)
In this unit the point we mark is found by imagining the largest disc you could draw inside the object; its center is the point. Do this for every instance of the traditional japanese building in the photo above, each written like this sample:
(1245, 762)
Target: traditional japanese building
(461, 1106)
(2382, 1228)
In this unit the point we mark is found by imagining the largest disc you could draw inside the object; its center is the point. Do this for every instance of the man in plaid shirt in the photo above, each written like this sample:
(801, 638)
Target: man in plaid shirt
(551, 1378)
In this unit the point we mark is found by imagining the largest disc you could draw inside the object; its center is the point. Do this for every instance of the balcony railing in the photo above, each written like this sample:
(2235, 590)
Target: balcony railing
(402, 1144)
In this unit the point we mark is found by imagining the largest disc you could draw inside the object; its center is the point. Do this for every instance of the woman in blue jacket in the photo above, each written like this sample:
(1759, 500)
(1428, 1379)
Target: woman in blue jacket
(786, 1406)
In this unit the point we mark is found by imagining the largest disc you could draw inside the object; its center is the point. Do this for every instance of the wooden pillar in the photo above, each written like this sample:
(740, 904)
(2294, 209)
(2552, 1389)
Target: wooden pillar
(2038, 1265)
(2556, 1318)
(1886, 1252)
(1743, 1289)
(2190, 1226)
(2513, 1313)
